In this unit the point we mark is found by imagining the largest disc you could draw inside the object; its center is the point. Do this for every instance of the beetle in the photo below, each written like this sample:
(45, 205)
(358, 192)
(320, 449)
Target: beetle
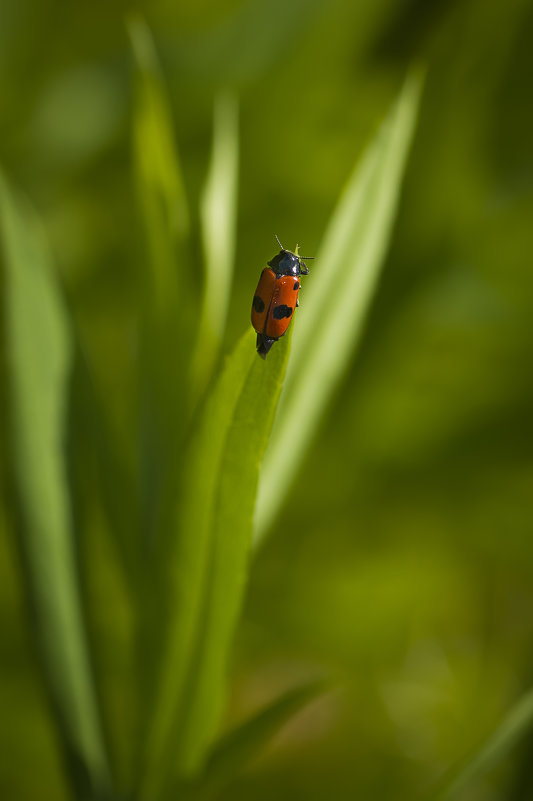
(276, 297)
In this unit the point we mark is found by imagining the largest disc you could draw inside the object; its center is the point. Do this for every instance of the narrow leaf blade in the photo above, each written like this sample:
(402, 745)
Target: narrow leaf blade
(336, 299)
(242, 745)
(39, 355)
(218, 219)
(207, 561)
(166, 296)
(156, 156)
(512, 729)
(231, 537)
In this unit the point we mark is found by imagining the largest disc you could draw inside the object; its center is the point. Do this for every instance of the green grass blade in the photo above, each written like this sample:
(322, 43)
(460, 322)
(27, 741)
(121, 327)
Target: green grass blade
(336, 299)
(166, 298)
(93, 439)
(158, 172)
(242, 745)
(218, 218)
(231, 537)
(512, 729)
(39, 356)
(210, 554)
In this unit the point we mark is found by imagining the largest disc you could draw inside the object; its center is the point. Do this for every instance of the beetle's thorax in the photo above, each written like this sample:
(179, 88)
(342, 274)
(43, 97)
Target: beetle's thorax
(285, 263)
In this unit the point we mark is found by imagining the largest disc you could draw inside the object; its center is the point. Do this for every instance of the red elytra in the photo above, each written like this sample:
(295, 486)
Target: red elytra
(276, 298)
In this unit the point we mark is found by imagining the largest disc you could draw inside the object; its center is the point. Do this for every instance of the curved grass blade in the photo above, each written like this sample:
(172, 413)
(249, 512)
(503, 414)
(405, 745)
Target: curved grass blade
(218, 219)
(166, 297)
(158, 172)
(242, 745)
(209, 557)
(39, 356)
(511, 730)
(337, 299)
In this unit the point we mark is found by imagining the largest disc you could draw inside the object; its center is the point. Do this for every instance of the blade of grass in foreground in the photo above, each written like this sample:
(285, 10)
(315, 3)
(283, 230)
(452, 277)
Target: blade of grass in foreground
(208, 561)
(337, 298)
(512, 729)
(39, 351)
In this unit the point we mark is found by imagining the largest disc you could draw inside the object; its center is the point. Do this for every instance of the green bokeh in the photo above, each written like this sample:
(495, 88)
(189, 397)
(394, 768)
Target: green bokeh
(403, 563)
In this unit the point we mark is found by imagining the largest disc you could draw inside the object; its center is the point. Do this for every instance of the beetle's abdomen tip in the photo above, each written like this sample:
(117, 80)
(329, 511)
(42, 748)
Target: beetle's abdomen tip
(263, 345)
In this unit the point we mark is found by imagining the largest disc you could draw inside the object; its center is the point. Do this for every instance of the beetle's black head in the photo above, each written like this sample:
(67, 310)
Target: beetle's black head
(285, 263)
(288, 263)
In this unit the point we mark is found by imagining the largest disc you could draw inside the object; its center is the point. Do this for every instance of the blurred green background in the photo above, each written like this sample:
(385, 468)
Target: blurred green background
(403, 562)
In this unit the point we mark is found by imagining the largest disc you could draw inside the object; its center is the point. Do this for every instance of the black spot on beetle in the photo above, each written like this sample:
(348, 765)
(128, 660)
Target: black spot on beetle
(296, 285)
(258, 304)
(282, 311)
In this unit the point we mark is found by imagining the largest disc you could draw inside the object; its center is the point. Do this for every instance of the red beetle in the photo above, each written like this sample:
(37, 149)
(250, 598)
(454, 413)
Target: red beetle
(276, 297)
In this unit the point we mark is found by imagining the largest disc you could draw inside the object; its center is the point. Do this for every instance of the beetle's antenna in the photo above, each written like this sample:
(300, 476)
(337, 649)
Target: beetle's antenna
(279, 243)
(303, 258)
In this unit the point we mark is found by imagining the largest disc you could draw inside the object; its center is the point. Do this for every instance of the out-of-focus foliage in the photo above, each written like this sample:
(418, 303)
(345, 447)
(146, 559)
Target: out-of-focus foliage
(179, 503)
(402, 561)
(38, 354)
